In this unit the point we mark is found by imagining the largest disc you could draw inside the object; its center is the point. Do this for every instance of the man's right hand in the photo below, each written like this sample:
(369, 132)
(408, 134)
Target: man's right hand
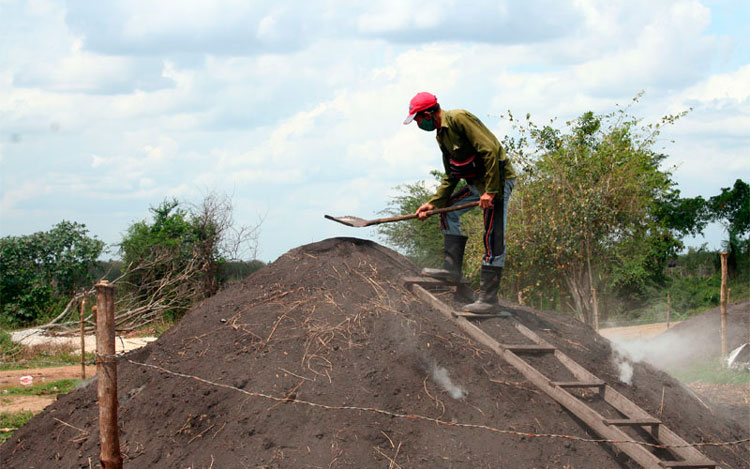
(422, 211)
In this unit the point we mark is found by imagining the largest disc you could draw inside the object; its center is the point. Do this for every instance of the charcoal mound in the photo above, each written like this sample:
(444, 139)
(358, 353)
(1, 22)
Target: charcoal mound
(324, 359)
(701, 333)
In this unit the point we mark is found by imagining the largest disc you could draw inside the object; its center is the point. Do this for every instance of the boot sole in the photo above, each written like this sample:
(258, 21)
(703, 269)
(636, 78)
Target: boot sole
(447, 277)
(467, 314)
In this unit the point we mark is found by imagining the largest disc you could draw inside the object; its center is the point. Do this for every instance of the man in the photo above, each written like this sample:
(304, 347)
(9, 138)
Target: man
(470, 152)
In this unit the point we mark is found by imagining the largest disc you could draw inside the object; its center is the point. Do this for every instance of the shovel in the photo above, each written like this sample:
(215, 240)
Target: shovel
(359, 222)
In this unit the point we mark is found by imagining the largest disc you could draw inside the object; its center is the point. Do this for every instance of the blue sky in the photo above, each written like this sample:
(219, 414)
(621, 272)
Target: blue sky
(295, 108)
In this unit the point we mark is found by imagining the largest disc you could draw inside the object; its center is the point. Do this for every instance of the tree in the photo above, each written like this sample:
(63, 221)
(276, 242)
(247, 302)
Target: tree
(585, 213)
(154, 251)
(39, 272)
(420, 241)
(732, 208)
(175, 259)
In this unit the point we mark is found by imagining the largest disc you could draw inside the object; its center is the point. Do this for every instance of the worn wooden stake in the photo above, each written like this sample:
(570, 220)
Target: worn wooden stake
(724, 351)
(669, 309)
(520, 297)
(106, 369)
(83, 338)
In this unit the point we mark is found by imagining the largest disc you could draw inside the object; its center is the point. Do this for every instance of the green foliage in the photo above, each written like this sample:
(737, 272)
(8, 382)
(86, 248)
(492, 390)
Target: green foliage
(421, 241)
(108, 270)
(732, 207)
(6, 344)
(13, 420)
(19, 356)
(686, 216)
(232, 271)
(585, 215)
(168, 246)
(39, 272)
(181, 256)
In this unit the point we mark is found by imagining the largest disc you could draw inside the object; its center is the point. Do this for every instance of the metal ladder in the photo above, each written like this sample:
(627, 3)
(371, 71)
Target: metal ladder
(685, 455)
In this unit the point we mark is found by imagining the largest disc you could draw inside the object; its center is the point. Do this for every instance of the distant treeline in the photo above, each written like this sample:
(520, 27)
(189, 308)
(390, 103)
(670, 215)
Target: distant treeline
(182, 254)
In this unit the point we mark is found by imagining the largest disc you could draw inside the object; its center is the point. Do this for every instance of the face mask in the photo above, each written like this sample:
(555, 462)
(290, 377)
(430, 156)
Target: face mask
(426, 124)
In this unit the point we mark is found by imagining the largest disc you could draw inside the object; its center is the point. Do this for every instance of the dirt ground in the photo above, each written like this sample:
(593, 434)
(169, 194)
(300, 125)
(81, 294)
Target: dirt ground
(323, 359)
(11, 378)
(643, 331)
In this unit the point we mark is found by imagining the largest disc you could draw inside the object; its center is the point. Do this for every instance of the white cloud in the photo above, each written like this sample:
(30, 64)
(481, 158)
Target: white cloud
(722, 88)
(297, 108)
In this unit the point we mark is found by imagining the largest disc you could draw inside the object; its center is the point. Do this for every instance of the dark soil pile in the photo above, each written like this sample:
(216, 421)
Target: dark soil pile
(323, 359)
(699, 337)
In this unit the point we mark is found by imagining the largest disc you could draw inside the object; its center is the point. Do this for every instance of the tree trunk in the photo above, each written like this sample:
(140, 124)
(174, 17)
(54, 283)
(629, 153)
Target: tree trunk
(580, 292)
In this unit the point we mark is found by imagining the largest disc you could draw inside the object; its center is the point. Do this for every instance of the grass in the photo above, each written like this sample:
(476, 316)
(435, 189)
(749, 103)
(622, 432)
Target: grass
(52, 388)
(12, 421)
(711, 372)
(15, 356)
(42, 356)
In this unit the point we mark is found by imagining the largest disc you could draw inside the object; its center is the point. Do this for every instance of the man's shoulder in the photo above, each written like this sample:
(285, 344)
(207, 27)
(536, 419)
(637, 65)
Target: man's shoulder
(461, 115)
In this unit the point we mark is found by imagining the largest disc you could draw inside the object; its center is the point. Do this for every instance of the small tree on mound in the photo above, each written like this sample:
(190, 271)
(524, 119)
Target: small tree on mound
(175, 259)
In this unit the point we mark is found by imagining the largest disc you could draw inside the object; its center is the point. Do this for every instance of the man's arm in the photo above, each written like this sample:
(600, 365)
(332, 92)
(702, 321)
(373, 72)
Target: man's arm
(444, 192)
(440, 199)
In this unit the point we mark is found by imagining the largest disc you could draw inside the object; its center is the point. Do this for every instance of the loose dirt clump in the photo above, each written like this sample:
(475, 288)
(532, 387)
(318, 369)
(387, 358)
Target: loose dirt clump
(323, 359)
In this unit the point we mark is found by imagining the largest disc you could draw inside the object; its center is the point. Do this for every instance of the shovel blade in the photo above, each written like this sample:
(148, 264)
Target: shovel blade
(349, 221)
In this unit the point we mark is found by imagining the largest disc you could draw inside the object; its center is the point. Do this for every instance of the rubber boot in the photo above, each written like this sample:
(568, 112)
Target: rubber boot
(454, 259)
(487, 302)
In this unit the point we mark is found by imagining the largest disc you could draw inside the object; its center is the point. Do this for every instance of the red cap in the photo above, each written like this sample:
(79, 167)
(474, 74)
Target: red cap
(418, 103)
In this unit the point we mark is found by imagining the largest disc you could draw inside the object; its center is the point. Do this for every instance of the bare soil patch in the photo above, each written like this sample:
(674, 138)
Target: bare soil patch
(9, 378)
(323, 359)
(35, 404)
(643, 331)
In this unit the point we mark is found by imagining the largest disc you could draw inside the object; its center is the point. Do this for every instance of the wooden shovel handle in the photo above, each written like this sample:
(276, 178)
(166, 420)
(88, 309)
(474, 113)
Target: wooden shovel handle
(429, 213)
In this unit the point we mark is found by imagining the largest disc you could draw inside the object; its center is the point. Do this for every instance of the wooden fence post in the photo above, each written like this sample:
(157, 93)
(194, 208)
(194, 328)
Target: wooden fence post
(83, 338)
(669, 309)
(106, 369)
(724, 351)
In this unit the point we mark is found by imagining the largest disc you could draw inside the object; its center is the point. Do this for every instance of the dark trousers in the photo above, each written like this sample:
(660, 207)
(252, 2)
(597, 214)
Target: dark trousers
(495, 219)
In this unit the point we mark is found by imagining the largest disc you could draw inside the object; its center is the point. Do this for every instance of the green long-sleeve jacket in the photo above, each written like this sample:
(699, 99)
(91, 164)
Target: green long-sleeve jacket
(461, 135)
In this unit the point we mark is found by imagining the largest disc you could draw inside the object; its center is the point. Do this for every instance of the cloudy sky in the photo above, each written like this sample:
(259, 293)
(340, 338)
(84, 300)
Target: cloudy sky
(294, 108)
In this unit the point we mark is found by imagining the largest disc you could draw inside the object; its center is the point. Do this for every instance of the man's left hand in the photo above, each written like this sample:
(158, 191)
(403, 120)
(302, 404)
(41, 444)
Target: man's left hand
(486, 200)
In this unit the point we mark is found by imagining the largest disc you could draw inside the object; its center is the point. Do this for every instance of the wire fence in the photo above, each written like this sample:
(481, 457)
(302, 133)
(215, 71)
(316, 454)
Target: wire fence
(437, 421)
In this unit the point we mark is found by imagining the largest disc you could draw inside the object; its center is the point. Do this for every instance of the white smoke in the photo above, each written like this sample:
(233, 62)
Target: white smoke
(622, 362)
(440, 376)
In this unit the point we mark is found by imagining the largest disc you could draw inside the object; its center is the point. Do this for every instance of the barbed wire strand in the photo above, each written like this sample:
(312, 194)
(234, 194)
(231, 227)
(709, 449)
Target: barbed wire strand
(429, 419)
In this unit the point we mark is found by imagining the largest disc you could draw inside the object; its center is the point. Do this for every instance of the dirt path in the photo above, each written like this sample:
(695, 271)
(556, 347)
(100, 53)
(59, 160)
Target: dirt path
(644, 331)
(11, 378)
(35, 404)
